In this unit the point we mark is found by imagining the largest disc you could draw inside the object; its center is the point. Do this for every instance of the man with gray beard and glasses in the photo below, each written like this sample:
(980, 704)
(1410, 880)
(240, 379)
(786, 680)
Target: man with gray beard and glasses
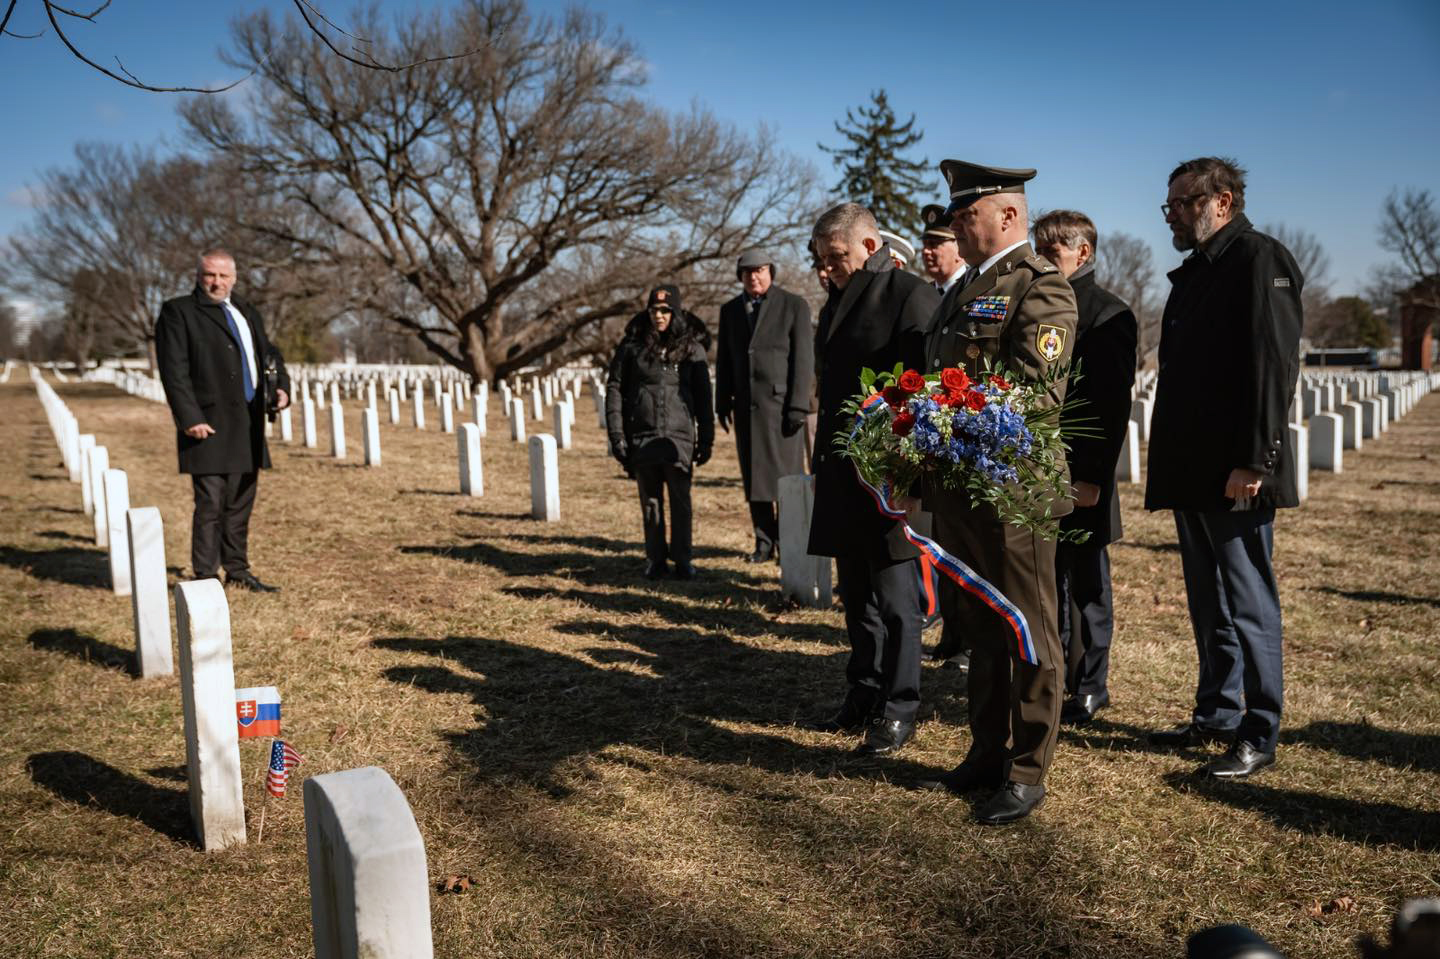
(1220, 453)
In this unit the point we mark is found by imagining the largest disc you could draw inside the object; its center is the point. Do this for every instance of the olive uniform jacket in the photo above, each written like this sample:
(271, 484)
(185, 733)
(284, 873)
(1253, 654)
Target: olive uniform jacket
(1104, 358)
(878, 320)
(200, 367)
(760, 377)
(1019, 313)
(1229, 360)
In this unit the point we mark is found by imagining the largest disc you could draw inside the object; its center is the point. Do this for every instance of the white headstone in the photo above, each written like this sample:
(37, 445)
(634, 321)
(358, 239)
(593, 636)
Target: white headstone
(418, 410)
(537, 410)
(98, 462)
(477, 403)
(334, 393)
(307, 410)
(207, 696)
(1370, 418)
(1312, 401)
(70, 445)
(517, 420)
(115, 486)
(1140, 410)
(1127, 467)
(600, 407)
(1327, 442)
(287, 426)
(400, 387)
(87, 493)
(369, 884)
(370, 425)
(803, 578)
(370, 396)
(149, 601)
(1300, 450)
(562, 425)
(393, 399)
(337, 429)
(1350, 423)
(472, 475)
(544, 479)
(447, 415)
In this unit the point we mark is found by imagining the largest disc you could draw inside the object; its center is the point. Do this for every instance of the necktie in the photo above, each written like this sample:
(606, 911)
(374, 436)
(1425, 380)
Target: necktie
(244, 361)
(968, 278)
(754, 313)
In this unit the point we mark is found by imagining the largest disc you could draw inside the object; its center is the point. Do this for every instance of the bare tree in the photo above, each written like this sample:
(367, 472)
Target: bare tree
(526, 195)
(1125, 265)
(347, 46)
(1410, 229)
(1314, 264)
(9, 331)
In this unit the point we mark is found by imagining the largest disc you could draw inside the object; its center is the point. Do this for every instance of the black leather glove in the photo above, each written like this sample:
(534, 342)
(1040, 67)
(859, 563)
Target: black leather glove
(702, 456)
(724, 420)
(620, 451)
(792, 424)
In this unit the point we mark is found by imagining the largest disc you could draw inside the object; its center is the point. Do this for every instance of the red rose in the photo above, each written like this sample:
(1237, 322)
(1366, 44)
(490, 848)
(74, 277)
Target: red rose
(975, 400)
(895, 396)
(998, 382)
(912, 382)
(954, 380)
(950, 398)
(903, 423)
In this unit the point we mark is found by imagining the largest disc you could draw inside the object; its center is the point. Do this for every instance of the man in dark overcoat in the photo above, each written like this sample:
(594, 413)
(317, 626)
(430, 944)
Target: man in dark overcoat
(764, 367)
(1105, 342)
(874, 317)
(213, 355)
(1012, 308)
(1221, 456)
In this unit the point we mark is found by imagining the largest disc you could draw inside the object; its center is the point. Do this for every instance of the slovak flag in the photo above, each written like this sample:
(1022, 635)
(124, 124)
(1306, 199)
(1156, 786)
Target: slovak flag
(257, 711)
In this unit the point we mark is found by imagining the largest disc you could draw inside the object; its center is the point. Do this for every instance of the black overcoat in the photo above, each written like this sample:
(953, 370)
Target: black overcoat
(657, 398)
(200, 367)
(878, 320)
(1105, 342)
(1229, 360)
(759, 379)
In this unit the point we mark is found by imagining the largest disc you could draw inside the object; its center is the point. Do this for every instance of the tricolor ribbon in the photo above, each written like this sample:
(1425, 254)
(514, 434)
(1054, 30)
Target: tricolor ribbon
(932, 552)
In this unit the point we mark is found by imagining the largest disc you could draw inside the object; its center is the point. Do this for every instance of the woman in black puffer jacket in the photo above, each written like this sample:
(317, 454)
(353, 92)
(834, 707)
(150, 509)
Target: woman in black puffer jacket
(660, 414)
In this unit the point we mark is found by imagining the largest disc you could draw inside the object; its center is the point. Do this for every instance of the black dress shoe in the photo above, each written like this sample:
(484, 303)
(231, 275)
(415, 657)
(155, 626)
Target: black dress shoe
(656, 570)
(1189, 736)
(964, 778)
(764, 552)
(850, 718)
(685, 571)
(1080, 710)
(1013, 801)
(885, 736)
(1239, 761)
(248, 581)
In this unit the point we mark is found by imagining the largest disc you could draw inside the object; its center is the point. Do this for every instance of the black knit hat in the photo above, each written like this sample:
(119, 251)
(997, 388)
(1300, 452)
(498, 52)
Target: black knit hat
(666, 294)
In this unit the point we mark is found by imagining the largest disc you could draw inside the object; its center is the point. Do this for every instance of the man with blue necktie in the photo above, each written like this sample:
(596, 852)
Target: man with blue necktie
(213, 354)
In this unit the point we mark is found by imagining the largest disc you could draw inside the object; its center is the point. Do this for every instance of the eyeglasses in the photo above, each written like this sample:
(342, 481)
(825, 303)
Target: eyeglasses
(1180, 201)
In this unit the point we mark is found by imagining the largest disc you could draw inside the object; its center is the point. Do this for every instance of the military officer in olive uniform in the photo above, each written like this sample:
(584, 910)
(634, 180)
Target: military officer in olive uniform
(1013, 308)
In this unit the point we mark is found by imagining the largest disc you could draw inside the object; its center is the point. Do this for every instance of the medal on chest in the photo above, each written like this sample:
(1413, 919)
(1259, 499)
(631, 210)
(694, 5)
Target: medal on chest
(988, 307)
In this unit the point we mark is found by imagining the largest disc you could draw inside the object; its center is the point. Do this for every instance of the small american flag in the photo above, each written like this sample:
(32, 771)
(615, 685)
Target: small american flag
(282, 760)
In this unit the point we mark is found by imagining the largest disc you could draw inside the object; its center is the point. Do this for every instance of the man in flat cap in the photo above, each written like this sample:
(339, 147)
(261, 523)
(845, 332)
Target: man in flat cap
(874, 317)
(1231, 333)
(1013, 308)
(764, 368)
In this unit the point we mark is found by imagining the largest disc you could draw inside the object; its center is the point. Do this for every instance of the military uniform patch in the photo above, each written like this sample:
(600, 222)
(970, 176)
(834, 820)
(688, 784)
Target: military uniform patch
(1050, 341)
(988, 307)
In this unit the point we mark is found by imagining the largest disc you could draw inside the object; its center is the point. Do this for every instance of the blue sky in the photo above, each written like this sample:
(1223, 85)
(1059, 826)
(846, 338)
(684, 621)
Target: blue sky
(1329, 105)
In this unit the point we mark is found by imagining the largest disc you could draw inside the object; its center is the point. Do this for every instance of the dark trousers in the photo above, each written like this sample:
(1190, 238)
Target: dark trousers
(766, 522)
(220, 527)
(654, 479)
(1235, 612)
(1014, 706)
(882, 619)
(1087, 615)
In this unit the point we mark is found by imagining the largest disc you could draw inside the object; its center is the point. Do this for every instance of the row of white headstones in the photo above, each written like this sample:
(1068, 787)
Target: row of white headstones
(369, 891)
(319, 387)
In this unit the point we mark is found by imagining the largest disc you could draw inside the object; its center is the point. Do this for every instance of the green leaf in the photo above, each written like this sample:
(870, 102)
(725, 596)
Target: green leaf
(867, 379)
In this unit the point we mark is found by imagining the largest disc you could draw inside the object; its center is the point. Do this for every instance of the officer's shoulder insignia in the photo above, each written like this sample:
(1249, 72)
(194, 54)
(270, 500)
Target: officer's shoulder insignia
(1039, 264)
(988, 307)
(1050, 341)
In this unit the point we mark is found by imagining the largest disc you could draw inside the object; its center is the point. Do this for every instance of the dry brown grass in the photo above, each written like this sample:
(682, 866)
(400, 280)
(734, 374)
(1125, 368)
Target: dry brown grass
(617, 763)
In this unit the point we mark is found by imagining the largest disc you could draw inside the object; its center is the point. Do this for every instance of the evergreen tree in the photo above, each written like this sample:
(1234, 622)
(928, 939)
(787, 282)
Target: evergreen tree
(874, 170)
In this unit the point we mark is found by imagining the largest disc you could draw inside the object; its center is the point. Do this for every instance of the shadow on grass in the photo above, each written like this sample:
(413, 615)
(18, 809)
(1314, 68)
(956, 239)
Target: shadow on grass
(86, 648)
(67, 564)
(1354, 820)
(1152, 547)
(680, 691)
(61, 534)
(1365, 742)
(1378, 596)
(46, 478)
(86, 781)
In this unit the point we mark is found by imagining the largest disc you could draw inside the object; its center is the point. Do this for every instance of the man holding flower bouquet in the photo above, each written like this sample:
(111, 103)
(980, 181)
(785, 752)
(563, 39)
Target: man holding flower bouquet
(1015, 313)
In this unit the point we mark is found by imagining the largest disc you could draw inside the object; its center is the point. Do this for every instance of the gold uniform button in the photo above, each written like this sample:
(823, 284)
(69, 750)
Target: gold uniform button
(972, 351)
